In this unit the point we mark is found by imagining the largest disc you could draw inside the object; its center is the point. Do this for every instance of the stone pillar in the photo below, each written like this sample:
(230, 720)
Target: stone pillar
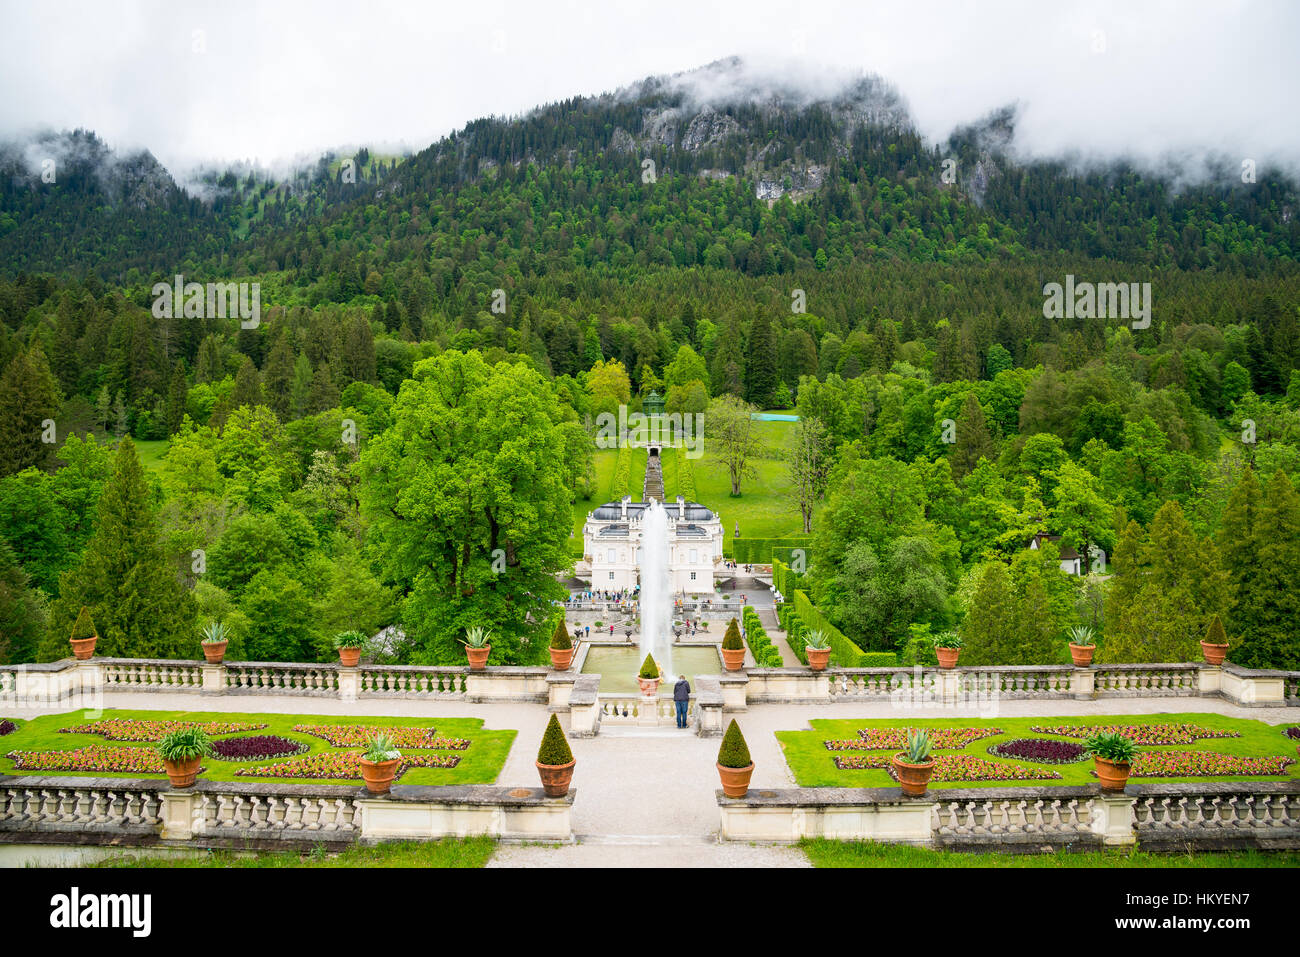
(349, 683)
(1083, 684)
(948, 687)
(584, 707)
(178, 809)
(559, 687)
(647, 713)
(214, 679)
(1209, 680)
(1112, 818)
(734, 686)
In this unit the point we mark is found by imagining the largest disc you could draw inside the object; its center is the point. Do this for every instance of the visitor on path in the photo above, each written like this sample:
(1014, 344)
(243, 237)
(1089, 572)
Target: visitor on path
(586, 631)
(681, 697)
(611, 629)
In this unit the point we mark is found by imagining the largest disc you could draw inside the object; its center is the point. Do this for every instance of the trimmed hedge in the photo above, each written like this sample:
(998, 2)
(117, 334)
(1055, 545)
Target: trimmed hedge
(555, 746)
(784, 580)
(797, 628)
(760, 551)
(734, 752)
(622, 486)
(766, 654)
(685, 476)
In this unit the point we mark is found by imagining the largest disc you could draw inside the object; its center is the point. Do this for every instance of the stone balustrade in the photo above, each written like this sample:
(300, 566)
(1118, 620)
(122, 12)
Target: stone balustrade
(87, 810)
(1263, 815)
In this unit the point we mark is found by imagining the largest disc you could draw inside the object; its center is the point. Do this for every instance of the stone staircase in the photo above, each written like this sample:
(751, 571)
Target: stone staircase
(654, 480)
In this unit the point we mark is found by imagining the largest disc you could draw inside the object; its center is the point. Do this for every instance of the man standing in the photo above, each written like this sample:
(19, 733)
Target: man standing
(681, 697)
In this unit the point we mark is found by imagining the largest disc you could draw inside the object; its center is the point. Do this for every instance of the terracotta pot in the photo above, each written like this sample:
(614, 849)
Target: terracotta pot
(1082, 654)
(649, 686)
(379, 775)
(83, 648)
(1112, 775)
(478, 656)
(818, 657)
(913, 778)
(947, 657)
(555, 778)
(561, 658)
(1214, 654)
(349, 657)
(733, 659)
(181, 774)
(214, 651)
(735, 781)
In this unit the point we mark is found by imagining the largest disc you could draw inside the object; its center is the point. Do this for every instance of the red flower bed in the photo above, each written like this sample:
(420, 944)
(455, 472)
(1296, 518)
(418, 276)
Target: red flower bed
(1293, 733)
(94, 757)
(359, 735)
(1039, 751)
(257, 747)
(1197, 764)
(7, 727)
(130, 729)
(891, 739)
(1152, 735)
(952, 767)
(342, 765)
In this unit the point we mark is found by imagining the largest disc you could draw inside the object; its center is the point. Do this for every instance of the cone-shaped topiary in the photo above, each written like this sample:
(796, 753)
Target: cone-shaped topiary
(648, 668)
(555, 746)
(734, 752)
(561, 640)
(732, 640)
(83, 627)
(1215, 635)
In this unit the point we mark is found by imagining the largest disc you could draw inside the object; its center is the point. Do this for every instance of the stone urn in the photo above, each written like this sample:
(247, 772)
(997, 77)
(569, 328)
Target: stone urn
(1081, 654)
(735, 781)
(182, 774)
(912, 778)
(555, 778)
(379, 775)
(214, 651)
(947, 657)
(1214, 654)
(83, 649)
(1113, 775)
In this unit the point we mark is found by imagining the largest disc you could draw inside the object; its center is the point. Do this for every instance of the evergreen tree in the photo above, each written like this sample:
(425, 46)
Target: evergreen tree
(277, 378)
(29, 398)
(22, 611)
(177, 395)
(359, 351)
(324, 394)
(988, 632)
(1260, 536)
(760, 363)
(974, 440)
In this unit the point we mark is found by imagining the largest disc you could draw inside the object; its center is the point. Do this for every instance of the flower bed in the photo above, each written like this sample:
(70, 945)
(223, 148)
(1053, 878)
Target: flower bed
(1152, 735)
(1039, 751)
(1293, 733)
(1195, 764)
(952, 767)
(257, 747)
(94, 757)
(342, 765)
(130, 729)
(7, 727)
(891, 739)
(359, 735)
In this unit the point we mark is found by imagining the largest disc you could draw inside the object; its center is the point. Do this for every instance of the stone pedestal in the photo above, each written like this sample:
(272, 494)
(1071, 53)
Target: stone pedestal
(1083, 684)
(349, 683)
(1112, 819)
(559, 688)
(647, 712)
(214, 679)
(178, 814)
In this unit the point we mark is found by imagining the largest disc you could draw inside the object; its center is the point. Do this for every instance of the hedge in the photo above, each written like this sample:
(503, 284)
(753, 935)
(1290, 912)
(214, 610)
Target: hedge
(685, 476)
(796, 635)
(847, 654)
(622, 486)
(783, 579)
(766, 654)
(760, 551)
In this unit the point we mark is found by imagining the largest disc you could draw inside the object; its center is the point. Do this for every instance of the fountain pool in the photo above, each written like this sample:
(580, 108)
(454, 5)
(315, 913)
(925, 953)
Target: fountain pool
(617, 667)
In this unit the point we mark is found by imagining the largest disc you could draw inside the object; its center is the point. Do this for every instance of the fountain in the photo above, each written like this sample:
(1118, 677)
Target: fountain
(656, 591)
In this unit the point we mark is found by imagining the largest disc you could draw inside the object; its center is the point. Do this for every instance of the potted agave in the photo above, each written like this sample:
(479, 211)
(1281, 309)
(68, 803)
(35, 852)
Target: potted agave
(1214, 646)
(818, 649)
(379, 764)
(477, 647)
(1082, 645)
(83, 636)
(915, 765)
(649, 676)
(1113, 755)
(561, 648)
(735, 766)
(733, 648)
(215, 638)
(555, 760)
(349, 644)
(947, 648)
(181, 752)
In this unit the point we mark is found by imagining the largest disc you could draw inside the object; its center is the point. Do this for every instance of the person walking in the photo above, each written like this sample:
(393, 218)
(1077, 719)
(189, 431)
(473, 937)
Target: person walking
(681, 697)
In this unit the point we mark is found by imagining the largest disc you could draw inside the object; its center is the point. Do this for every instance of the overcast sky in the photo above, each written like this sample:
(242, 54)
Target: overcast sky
(274, 80)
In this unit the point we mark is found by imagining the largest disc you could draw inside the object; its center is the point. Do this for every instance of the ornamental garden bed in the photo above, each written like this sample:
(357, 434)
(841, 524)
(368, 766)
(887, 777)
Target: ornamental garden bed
(1186, 747)
(280, 747)
(7, 727)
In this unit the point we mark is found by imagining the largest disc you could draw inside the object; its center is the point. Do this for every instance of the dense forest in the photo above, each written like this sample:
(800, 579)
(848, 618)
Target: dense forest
(506, 284)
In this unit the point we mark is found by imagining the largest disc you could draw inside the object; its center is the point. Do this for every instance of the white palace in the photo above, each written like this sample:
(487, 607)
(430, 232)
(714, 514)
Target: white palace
(612, 545)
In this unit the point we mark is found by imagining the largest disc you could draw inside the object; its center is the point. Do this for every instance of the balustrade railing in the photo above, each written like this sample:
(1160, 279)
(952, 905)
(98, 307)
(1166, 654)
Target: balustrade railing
(387, 681)
(151, 674)
(630, 709)
(90, 805)
(1052, 817)
(326, 816)
(282, 678)
(1146, 680)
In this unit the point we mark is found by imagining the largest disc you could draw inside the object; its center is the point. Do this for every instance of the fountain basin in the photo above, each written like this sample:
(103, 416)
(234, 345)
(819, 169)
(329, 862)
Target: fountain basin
(618, 667)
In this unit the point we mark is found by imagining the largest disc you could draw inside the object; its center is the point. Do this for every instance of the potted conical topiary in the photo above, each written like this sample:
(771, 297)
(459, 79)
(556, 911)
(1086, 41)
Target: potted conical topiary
(349, 645)
(914, 766)
(818, 650)
(477, 646)
(733, 648)
(561, 648)
(83, 635)
(555, 760)
(1214, 646)
(1112, 755)
(215, 637)
(379, 764)
(181, 752)
(1082, 645)
(649, 676)
(735, 766)
(947, 648)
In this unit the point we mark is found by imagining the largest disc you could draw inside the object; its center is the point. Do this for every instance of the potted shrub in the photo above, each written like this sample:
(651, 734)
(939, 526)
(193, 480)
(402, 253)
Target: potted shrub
(947, 647)
(477, 647)
(561, 648)
(1082, 645)
(735, 766)
(555, 760)
(1214, 646)
(214, 641)
(733, 648)
(349, 644)
(649, 676)
(379, 764)
(818, 648)
(915, 765)
(83, 635)
(1112, 755)
(181, 752)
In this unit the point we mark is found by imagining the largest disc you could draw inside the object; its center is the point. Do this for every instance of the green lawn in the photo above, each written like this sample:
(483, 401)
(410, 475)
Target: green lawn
(479, 764)
(814, 766)
(824, 853)
(448, 852)
(151, 452)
